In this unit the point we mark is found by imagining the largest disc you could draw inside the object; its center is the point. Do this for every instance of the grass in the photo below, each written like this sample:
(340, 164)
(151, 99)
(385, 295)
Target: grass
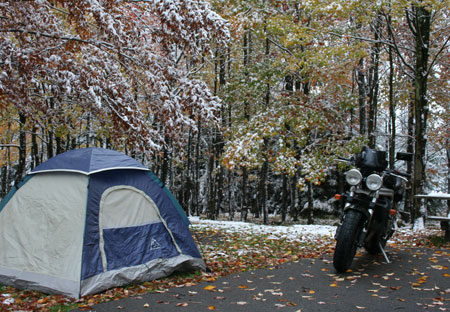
(437, 241)
(63, 308)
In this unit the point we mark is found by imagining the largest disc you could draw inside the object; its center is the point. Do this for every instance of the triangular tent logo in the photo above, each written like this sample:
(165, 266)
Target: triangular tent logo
(154, 244)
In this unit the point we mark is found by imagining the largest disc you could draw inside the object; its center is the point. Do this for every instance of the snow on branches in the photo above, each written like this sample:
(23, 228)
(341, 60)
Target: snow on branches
(126, 64)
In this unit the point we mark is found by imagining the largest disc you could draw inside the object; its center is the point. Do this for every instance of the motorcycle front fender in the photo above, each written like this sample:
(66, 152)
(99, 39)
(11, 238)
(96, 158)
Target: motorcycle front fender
(365, 212)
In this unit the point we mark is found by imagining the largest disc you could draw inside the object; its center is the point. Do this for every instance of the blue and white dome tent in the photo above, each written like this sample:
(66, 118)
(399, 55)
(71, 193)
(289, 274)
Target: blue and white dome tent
(91, 219)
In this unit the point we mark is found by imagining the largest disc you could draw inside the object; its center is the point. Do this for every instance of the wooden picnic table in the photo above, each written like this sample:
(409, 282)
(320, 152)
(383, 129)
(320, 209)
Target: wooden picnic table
(445, 220)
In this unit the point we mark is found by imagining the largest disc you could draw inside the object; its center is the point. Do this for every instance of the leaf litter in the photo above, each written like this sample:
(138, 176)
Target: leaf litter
(228, 248)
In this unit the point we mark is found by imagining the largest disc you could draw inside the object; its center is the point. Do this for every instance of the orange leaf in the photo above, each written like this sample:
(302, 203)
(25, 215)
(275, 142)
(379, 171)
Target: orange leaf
(211, 307)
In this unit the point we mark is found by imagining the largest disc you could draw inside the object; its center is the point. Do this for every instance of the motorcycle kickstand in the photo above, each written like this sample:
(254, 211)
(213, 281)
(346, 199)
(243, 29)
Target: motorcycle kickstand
(383, 252)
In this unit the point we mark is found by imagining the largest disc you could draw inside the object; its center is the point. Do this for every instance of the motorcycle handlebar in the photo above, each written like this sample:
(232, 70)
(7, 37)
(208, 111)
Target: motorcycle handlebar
(406, 175)
(344, 159)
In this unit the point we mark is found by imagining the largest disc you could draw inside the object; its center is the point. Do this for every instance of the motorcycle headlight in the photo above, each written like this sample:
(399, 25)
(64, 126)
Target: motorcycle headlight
(353, 177)
(374, 182)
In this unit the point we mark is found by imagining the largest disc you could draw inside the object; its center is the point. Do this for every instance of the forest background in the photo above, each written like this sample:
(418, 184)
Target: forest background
(240, 107)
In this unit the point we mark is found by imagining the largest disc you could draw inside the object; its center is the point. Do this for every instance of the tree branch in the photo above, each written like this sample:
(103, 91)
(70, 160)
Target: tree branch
(437, 55)
(396, 48)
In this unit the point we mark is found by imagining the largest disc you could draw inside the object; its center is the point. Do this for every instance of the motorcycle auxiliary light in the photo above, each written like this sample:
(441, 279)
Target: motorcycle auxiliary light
(353, 177)
(374, 182)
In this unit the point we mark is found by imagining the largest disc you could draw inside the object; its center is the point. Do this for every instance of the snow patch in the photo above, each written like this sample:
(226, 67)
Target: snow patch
(291, 232)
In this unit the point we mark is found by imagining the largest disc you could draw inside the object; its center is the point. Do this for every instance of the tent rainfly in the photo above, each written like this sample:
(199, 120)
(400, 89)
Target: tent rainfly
(88, 220)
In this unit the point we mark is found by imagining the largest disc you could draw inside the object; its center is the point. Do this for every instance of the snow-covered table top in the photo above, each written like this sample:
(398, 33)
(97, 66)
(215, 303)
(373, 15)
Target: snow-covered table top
(434, 196)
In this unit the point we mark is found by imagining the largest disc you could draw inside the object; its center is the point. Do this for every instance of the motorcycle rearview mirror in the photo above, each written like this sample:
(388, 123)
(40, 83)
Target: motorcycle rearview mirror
(404, 156)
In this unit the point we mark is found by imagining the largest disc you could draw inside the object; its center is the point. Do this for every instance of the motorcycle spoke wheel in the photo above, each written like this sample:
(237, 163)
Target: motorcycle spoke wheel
(347, 241)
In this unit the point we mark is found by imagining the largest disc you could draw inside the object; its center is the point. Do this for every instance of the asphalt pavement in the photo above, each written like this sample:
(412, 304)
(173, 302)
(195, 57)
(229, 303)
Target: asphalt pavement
(415, 280)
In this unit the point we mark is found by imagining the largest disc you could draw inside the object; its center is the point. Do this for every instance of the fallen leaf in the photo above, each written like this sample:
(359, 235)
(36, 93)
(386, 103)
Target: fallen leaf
(241, 303)
(146, 305)
(360, 308)
(243, 286)
(439, 267)
(211, 307)
(210, 288)
(182, 304)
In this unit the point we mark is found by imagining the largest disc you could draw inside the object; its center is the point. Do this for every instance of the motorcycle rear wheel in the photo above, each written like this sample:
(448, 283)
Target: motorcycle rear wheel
(347, 241)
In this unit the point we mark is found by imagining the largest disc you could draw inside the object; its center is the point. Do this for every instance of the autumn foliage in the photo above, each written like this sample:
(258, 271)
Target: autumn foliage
(123, 66)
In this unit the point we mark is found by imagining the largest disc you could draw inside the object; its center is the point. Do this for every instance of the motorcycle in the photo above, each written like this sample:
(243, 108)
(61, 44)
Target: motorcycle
(370, 206)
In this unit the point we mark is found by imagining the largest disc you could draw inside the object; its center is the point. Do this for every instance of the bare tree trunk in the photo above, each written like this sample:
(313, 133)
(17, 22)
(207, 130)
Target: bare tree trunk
(197, 171)
(374, 84)
(59, 145)
(35, 161)
(21, 168)
(88, 130)
(4, 189)
(211, 185)
(410, 149)
(293, 209)
(244, 202)
(263, 192)
(247, 51)
(284, 199)
(310, 203)
(187, 188)
(391, 111)
(448, 178)
(362, 97)
(164, 166)
(422, 23)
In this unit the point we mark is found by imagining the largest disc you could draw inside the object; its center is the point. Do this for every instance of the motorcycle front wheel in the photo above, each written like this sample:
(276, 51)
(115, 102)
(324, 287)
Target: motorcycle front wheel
(347, 241)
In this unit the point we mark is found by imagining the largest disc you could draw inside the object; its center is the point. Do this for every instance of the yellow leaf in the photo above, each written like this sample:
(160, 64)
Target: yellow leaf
(211, 307)
(333, 285)
(210, 288)
(311, 291)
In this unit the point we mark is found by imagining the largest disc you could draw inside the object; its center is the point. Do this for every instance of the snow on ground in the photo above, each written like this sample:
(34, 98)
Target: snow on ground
(291, 232)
